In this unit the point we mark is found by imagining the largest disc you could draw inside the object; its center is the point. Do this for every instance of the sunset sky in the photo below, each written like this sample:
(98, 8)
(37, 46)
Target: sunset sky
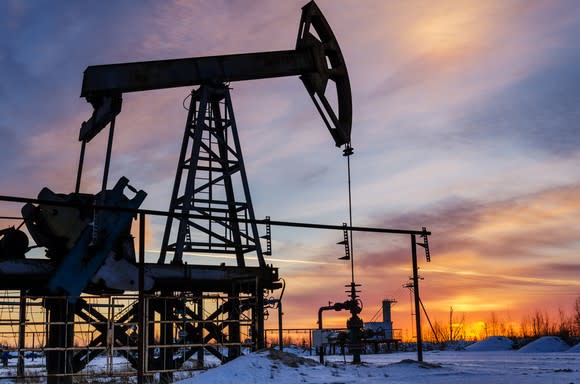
(466, 121)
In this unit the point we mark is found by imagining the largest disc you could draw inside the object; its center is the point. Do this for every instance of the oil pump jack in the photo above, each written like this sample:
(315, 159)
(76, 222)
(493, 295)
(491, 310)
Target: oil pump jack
(88, 242)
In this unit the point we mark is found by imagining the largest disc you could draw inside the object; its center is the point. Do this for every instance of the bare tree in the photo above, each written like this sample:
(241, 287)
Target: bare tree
(525, 328)
(576, 317)
(510, 331)
(437, 333)
(456, 326)
(443, 334)
(541, 325)
(565, 326)
(494, 325)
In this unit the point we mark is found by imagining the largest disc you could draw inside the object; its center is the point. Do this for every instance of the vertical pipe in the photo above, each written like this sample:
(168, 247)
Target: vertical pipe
(80, 169)
(60, 338)
(110, 336)
(166, 323)
(201, 352)
(350, 219)
(321, 354)
(142, 332)
(417, 305)
(234, 339)
(280, 325)
(21, 335)
(258, 314)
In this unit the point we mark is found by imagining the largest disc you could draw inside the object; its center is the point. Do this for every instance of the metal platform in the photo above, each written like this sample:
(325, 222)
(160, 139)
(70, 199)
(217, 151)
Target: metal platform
(34, 274)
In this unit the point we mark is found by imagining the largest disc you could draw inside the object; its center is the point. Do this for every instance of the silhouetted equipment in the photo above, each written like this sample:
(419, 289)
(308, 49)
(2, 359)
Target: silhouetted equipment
(345, 242)
(88, 237)
(387, 320)
(68, 233)
(425, 244)
(354, 324)
(375, 336)
(272, 302)
(13, 243)
(356, 333)
(268, 237)
(414, 284)
(317, 59)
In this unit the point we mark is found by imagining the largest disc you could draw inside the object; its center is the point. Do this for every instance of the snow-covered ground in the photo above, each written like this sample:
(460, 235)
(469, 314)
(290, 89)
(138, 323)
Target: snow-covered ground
(546, 344)
(493, 343)
(400, 368)
(490, 362)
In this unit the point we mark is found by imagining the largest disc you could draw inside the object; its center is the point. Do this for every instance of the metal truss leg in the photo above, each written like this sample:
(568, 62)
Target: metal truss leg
(60, 337)
(234, 323)
(199, 315)
(209, 175)
(258, 318)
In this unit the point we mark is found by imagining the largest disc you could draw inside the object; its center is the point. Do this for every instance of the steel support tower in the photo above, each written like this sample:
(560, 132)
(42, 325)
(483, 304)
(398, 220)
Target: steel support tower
(211, 181)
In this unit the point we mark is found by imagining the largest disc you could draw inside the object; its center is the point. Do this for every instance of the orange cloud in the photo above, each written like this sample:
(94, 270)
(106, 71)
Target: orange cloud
(484, 259)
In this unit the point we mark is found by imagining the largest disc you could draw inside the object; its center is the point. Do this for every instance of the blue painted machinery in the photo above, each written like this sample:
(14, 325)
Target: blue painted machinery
(85, 238)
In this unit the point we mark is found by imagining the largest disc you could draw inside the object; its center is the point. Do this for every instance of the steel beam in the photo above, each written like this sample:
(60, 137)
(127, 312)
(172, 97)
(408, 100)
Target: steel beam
(34, 274)
(111, 79)
(276, 223)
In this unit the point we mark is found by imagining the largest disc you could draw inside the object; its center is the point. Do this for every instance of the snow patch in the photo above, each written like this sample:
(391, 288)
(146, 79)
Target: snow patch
(420, 364)
(260, 367)
(546, 344)
(492, 343)
(290, 359)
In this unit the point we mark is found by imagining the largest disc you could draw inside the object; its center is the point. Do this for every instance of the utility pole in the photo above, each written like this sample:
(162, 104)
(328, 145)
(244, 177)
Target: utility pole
(417, 298)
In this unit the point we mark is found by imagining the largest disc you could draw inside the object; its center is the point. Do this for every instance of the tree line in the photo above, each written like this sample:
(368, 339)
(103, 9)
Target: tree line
(565, 324)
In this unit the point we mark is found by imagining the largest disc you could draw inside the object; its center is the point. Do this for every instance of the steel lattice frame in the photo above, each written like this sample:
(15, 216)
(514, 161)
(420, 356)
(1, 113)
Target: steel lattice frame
(211, 182)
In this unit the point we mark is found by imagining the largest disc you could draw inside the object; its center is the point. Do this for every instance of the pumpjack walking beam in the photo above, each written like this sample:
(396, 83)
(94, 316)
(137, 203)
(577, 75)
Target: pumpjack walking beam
(317, 59)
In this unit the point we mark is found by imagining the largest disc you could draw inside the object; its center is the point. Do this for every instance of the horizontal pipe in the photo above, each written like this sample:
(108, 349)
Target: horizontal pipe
(203, 217)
